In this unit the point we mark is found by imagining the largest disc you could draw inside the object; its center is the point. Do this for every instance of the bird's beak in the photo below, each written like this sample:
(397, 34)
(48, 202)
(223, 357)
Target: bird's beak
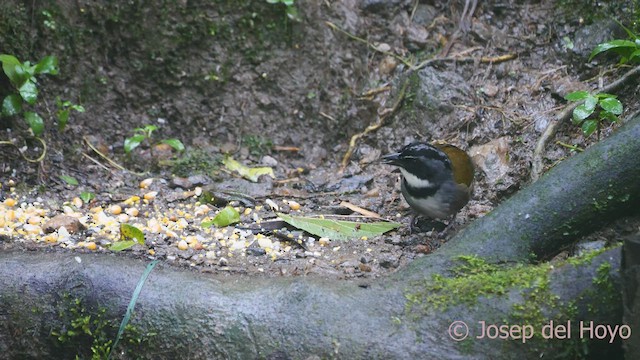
(391, 159)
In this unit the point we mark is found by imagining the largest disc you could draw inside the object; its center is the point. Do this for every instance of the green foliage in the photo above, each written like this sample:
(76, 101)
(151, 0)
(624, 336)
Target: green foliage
(227, 216)
(250, 173)
(69, 180)
(629, 50)
(595, 109)
(195, 162)
(291, 10)
(145, 134)
(257, 145)
(22, 76)
(83, 326)
(87, 196)
(64, 110)
(339, 229)
(129, 236)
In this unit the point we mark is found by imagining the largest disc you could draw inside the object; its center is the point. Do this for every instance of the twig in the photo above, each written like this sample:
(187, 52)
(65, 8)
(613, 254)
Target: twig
(552, 128)
(96, 162)
(483, 60)
(360, 210)
(383, 114)
(285, 148)
(373, 92)
(569, 146)
(38, 159)
(113, 163)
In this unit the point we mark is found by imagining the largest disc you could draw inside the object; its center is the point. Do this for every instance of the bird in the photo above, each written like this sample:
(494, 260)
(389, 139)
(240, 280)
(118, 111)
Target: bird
(437, 180)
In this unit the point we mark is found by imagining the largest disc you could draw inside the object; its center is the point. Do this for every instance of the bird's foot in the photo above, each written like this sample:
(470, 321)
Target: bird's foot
(426, 225)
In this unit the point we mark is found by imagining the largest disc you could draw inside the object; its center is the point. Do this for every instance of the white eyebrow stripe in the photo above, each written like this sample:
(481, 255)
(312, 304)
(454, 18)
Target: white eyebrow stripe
(415, 181)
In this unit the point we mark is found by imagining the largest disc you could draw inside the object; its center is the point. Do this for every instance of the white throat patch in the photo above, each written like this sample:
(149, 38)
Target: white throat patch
(415, 181)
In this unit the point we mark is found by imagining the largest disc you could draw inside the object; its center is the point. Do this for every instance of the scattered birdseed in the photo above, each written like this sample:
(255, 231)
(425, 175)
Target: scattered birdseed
(115, 209)
(10, 202)
(146, 183)
(150, 196)
(293, 205)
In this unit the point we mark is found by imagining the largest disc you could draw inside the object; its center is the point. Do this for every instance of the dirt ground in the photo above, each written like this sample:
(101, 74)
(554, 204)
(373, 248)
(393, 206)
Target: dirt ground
(241, 78)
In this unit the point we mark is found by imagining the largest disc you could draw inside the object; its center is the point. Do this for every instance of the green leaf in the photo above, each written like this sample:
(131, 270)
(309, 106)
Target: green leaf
(590, 103)
(611, 105)
(613, 44)
(130, 232)
(174, 143)
(292, 13)
(577, 95)
(11, 105)
(9, 59)
(338, 229)
(121, 245)
(29, 92)
(605, 115)
(589, 126)
(63, 118)
(35, 122)
(9, 64)
(605, 95)
(580, 113)
(87, 196)
(227, 216)
(69, 180)
(133, 142)
(48, 65)
(149, 129)
(252, 174)
(78, 108)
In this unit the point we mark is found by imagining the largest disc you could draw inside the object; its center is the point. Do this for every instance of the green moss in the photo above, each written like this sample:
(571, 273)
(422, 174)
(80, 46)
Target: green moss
(474, 278)
(88, 332)
(195, 162)
(585, 258)
(257, 145)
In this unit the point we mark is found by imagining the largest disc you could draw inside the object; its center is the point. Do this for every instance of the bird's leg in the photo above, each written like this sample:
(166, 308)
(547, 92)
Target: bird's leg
(443, 234)
(413, 224)
(417, 225)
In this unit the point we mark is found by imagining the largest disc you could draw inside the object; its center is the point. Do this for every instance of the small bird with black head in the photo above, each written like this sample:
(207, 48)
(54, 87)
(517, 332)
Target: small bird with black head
(436, 179)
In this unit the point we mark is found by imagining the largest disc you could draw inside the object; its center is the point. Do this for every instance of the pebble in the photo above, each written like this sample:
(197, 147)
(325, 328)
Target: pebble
(63, 235)
(265, 243)
(70, 223)
(269, 161)
(256, 251)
